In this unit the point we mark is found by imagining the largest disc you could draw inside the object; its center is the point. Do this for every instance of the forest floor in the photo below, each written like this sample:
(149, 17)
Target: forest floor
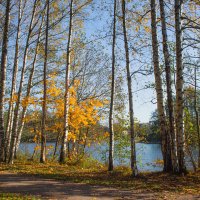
(27, 180)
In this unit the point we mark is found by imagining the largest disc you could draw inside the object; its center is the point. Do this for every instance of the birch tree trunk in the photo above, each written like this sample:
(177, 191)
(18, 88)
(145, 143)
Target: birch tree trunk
(66, 97)
(130, 95)
(3, 78)
(171, 155)
(111, 130)
(179, 89)
(158, 83)
(196, 113)
(44, 103)
(13, 87)
(28, 91)
(17, 106)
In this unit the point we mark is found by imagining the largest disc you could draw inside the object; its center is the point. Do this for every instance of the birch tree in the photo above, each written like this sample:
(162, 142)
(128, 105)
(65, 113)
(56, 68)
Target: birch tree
(130, 95)
(44, 103)
(158, 87)
(171, 146)
(19, 96)
(196, 112)
(3, 77)
(111, 145)
(29, 87)
(66, 96)
(179, 88)
(13, 87)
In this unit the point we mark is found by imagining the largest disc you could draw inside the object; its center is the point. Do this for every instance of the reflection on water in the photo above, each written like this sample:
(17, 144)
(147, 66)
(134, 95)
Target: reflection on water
(147, 155)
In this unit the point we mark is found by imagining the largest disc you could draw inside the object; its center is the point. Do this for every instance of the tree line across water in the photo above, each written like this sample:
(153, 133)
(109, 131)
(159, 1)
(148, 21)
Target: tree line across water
(58, 78)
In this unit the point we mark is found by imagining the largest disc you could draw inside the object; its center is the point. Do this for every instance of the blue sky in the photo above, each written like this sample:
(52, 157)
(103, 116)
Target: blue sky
(99, 24)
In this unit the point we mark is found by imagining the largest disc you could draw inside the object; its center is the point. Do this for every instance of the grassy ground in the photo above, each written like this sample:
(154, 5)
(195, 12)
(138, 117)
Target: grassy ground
(95, 173)
(9, 196)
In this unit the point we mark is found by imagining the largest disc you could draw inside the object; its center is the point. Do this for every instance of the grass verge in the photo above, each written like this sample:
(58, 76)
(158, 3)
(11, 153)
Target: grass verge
(13, 196)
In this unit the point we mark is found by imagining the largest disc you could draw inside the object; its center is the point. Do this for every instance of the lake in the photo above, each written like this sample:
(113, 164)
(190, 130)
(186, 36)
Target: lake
(147, 155)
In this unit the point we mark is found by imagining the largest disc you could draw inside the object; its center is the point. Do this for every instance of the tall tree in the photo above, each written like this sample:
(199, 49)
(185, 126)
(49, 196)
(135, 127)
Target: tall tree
(111, 130)
(44, 102)
(196, 112)
(130, 94)
(158, 84)
(13, 87)
(19, 96)
(179, 88)
(171, 146)
(3, 77)
(29, 87)
(66, 96)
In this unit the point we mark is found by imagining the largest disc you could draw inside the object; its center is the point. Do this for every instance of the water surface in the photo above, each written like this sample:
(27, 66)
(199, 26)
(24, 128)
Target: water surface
(147, 154)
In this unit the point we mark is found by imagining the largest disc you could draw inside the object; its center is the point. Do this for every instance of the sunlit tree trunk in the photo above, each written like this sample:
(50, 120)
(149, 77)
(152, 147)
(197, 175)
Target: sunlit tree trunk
(13, 87)
(158, 83)
(179, 89)
(171, 156)
(3, 78)
(44, 103)
(28, 91)
(111, 130)
(130, 95)
(17, 106)
(66, 96)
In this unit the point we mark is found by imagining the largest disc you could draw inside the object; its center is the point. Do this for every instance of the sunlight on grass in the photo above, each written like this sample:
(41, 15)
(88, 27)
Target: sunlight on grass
(13, 196)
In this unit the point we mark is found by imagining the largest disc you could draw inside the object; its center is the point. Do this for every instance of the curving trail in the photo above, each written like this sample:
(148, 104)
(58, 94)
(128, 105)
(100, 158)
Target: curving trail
(53, 189)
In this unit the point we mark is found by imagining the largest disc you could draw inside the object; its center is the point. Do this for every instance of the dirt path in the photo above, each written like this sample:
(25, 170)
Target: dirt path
(52, 189)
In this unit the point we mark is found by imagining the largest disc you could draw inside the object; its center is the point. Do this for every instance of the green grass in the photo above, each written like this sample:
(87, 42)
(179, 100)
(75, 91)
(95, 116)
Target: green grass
(13, 196)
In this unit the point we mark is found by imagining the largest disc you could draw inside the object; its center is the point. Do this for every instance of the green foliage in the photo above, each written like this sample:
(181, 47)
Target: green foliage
(122, 139)
(190, 124)
(153, 134)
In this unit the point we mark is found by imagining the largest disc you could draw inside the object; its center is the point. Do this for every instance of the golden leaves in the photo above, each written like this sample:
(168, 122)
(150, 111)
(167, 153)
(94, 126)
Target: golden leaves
(82, 114)
(147, 29)
(28, 101)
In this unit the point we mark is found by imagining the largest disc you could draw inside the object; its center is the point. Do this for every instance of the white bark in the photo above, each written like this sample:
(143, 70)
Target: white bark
(66, 97)
(13, 87)
(28, 91)
(171, 143)
(111, 130)
(17, 106)
(130, 95)
(158, 81)
(179, 89)
(3, 78)
(44, 103)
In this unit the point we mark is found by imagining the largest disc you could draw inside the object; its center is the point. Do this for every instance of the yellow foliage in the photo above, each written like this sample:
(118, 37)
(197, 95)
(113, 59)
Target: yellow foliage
(137, 28)
(106, 134)
(71, 136)
(82, 114)
(147, 29)
(27, 101)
